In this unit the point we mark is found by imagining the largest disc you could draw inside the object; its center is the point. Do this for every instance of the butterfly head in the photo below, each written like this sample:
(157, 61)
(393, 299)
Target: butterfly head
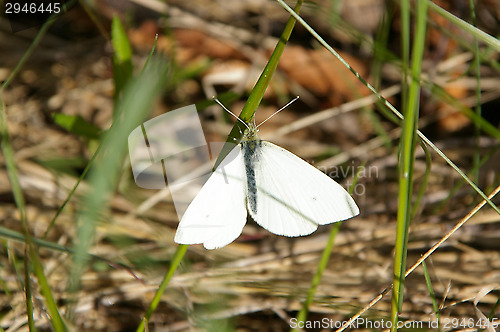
(250, 132)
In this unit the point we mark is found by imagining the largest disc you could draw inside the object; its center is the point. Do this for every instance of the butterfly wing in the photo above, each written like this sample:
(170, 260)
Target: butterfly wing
(218, 213)
(293, 197)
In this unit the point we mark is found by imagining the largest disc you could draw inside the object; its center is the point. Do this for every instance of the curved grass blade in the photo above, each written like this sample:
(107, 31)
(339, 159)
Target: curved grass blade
(55, 317)
(179, 254)
(136, 103)
(122, 56)
(480, 35)
(255, 97)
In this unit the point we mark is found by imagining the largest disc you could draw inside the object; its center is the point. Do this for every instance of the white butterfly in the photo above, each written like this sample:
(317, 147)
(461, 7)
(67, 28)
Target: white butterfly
(281, 192)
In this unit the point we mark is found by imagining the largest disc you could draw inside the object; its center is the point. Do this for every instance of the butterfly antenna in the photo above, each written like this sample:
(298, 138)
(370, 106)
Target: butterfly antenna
(225, 109)
(281, 109)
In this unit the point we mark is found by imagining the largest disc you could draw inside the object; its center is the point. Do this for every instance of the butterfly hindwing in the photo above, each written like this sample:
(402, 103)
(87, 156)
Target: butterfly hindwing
(293, 197)
(218, 213)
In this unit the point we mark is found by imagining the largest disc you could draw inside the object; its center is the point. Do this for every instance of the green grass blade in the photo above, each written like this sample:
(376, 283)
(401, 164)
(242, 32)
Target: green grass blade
(41, 33)
(406, 153)
(179, 254)
(122, 56)
(153, 49)
(428, 282)
(72, 192)
(3, 284)
(27, 292)
(258, 91)
(77, 125)
(255, 97)
(325, 257)
(476, 158)
(18, 237)
(56, 320)
(405, 49)
(136, 103)
(480, 35)
(494, 309)
(27, 54)
(406, 162)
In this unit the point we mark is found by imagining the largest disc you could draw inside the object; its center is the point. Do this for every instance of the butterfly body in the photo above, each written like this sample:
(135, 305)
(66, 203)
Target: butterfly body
(251, 155)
